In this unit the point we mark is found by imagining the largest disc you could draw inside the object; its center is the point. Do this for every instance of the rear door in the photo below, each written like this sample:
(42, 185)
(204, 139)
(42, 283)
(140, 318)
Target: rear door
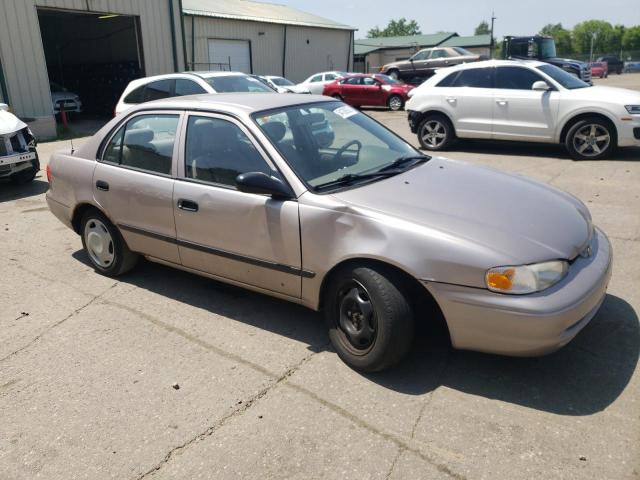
(521, 113)
(243, 237)
(469, 99)
(133, 182)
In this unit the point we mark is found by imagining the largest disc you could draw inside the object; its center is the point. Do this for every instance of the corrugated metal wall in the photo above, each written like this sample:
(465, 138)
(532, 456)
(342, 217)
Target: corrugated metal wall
(22, 54)
(308, 49)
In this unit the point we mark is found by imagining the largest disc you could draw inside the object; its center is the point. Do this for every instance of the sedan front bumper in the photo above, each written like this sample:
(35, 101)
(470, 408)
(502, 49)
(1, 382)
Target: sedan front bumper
(528, 325)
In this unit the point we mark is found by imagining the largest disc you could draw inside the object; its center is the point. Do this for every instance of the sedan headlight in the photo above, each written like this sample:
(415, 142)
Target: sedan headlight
(526, 278)
(633, 109)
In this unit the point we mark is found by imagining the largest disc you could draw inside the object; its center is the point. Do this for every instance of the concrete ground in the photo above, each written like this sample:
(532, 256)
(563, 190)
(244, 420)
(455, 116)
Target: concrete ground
(163, 374)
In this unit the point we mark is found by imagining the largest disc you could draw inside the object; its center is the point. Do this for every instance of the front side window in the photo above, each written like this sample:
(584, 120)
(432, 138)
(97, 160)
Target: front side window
(217, 151)
(565, 79)
(188, 87)
(145, 143)
(158, 90)
(369, 81)
(237, 83)
(516, 78)
(475, 78)
(325, 141)
(351, 81)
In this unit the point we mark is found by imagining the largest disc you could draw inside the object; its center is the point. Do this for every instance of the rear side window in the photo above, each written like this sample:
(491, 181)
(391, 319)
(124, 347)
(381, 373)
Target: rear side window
(448, 80)
(317, 78)
(188, 87)
(330, 76)
(157, 90)
(145, 143)
(516, 78)
(135, 96)
(474, 77)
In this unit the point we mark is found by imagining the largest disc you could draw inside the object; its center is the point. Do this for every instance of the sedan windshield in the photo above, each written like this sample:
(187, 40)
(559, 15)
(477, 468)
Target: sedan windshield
(330, 144)
(565, 79)
(237, 83)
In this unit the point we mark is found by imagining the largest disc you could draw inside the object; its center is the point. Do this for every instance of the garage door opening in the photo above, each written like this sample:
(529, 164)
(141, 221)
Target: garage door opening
(230, 55)
(91, 57)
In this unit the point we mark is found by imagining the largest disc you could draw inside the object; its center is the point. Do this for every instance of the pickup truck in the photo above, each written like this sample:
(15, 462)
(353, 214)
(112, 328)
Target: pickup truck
(19, 160)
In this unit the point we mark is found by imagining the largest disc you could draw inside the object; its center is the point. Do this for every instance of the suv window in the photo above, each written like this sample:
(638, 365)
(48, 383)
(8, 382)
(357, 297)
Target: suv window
(217, 151)
(516, 78)
(145, 142)
(474, 77)
(188, 87)
(157, 90)
(135, 96)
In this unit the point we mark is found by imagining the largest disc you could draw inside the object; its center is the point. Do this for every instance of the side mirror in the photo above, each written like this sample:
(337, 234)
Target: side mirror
(263, 184)
(541, 86)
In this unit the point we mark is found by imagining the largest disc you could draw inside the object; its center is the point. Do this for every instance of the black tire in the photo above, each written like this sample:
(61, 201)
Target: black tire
(395, 103)
(379, 336)
(26, 176)
(588, 130)
(123, 258)
(438, 124)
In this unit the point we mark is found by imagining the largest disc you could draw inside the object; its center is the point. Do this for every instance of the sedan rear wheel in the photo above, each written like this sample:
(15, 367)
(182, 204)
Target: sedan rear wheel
(590, 139)
(395, 103)
(105, 246)
(435, 132)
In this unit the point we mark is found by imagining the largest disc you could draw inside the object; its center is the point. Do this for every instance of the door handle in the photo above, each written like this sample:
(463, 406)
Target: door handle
(501, 101)
(452, 99)
(102, 185)
(187, 205)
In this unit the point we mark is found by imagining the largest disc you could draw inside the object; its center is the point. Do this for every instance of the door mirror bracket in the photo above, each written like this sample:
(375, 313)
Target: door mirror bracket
(541, 86)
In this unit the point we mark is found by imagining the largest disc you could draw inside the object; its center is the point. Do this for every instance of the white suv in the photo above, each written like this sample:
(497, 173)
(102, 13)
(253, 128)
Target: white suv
(316, 82)
(188, 83)
(523, 101)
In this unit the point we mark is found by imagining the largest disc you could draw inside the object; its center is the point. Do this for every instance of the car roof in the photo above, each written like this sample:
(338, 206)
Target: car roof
(491, 63)
(234, 103)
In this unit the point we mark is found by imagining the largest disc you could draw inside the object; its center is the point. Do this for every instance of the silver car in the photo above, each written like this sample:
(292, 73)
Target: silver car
(238, 188)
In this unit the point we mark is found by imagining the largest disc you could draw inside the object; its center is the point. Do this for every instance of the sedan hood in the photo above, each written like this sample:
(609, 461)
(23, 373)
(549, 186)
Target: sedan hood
(523, 221)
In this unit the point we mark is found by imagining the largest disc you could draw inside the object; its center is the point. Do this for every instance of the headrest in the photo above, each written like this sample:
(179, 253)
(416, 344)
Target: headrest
(275, 130)
(138, 136)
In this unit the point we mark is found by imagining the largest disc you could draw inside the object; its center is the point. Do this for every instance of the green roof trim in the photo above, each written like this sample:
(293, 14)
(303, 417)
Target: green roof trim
(471, 41)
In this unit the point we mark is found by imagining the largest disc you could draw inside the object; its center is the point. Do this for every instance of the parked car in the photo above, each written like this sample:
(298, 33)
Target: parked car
(282, 85)
(18, 156)
(599, 69)
(158, 87)
(630, 67)
(316, 82)
(423, 63)
(377, 235)
(524, 101)
(369, 90)
(62, 98)
(614, 63)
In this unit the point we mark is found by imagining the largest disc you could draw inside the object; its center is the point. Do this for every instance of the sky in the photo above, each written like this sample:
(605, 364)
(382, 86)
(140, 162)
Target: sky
(514, 17)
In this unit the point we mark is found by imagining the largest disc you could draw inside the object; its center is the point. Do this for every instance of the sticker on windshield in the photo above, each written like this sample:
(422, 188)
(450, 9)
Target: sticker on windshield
(345, 111)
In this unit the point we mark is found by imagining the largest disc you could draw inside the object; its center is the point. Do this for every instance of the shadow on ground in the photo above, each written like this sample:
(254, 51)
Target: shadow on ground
(10, 192)
(583, 378)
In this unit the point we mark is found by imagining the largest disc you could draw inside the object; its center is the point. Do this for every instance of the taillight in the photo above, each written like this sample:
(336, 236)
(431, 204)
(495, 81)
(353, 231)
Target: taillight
(49, 175)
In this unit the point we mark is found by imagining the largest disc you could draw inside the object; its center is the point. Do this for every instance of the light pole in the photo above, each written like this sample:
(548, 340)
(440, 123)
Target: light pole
(593, 36)
(491, 46)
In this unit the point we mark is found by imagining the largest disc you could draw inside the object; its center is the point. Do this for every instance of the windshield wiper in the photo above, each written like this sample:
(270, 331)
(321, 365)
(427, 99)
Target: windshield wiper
(350, 178)
(406, 161)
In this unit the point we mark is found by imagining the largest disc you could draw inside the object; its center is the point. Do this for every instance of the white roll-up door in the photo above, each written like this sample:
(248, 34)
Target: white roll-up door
(234, 55)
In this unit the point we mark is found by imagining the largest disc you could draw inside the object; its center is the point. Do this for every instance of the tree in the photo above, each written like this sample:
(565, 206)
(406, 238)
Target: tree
(396, 28)
(631, 38)
(561, 36)
(602, 33)
(482, 28)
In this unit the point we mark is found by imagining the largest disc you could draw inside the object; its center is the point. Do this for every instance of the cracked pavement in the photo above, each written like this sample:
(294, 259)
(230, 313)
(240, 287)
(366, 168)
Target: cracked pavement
(87, 365)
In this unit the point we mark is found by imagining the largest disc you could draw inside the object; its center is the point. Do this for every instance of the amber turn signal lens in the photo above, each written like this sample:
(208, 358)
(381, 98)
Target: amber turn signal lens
(501, 280)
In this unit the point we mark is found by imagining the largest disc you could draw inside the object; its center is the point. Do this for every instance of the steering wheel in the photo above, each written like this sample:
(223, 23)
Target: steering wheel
(345, 147)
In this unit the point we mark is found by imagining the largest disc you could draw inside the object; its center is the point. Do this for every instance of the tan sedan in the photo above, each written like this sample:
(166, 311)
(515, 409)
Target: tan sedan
(312, 201)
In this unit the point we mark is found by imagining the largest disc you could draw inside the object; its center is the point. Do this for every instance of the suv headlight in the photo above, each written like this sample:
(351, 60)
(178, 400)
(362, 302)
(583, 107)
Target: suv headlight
(633, 109)
(526, 278)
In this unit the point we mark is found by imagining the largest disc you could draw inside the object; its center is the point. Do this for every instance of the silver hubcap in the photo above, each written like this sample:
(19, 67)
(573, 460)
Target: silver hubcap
(395, 103)
(99, 243)
(591, 140)
(434, 133)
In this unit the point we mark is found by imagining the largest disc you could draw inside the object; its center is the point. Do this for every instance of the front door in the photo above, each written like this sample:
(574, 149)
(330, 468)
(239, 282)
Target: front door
(371, 93)
(248, 238)
(133, 183)
(520, 113)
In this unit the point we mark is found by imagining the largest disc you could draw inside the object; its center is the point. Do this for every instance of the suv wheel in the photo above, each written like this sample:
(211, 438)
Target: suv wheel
(369, 317)
(435, 132)
(105, 246)
(590, 139)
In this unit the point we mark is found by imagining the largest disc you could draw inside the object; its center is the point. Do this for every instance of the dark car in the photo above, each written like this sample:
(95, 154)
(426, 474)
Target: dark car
(613, 61)
(370, 90)
(426, 61)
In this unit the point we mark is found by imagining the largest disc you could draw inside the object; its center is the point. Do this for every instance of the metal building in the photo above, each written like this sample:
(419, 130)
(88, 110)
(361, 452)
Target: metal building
(264, 39)
(95, 46)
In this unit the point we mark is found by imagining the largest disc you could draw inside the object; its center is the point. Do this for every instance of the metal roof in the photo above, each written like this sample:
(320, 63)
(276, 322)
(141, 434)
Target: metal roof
(404, 41)
(258, 12)
(471, 41)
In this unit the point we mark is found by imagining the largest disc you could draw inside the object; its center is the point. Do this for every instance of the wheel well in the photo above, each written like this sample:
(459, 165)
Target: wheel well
(572, 121)
(421, 299)
(78, 213)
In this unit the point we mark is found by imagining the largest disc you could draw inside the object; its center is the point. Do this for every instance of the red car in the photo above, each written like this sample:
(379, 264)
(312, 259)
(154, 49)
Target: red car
(369, 90)
(599, 69)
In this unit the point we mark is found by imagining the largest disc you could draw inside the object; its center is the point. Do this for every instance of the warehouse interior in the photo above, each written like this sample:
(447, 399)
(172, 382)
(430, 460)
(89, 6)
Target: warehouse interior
(93, 55)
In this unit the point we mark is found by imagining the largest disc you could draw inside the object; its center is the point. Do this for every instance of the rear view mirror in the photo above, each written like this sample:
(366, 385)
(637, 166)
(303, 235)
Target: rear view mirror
(263, 184)
(541, 86)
